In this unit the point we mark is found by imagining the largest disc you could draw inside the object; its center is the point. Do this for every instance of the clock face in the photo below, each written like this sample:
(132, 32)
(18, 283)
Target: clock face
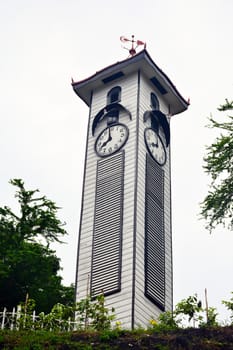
(111, 139)
(155, 146)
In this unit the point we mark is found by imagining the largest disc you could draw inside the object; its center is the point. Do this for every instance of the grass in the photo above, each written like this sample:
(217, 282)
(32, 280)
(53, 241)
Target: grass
(216, 338)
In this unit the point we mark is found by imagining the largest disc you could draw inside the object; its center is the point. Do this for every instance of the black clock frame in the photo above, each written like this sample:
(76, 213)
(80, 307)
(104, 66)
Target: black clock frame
(158, 119)
(148, 149)
(109, 126)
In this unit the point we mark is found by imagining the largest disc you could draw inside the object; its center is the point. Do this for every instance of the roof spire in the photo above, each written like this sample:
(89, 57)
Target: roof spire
(132, 49)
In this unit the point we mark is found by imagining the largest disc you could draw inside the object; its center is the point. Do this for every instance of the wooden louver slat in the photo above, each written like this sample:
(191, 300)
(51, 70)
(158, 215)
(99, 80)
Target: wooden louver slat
(107, 235)
(154, 234)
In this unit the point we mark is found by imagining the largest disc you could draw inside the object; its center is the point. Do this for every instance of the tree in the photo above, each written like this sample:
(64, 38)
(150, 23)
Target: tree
(229, 306)
(37, 218)
(217, 207)
(26, 265)
(189, 307)
(33, 271)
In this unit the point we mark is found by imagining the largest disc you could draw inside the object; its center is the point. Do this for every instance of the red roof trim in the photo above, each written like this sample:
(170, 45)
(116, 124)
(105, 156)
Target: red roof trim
(104, 69)
(142, 53)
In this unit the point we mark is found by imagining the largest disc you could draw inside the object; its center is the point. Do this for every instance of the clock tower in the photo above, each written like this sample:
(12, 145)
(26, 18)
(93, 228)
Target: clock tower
(125, 237)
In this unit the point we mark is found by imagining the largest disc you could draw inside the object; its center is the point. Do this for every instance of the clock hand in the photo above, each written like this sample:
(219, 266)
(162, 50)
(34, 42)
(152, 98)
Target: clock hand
(104, 144)
(109, 135)
(155, 144)
(109, 139)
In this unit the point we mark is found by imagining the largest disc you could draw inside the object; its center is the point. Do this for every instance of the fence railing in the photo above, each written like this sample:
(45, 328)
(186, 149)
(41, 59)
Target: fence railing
(18, 320)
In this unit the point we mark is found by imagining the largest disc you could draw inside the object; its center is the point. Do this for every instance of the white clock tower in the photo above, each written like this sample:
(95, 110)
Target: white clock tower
(125, 237)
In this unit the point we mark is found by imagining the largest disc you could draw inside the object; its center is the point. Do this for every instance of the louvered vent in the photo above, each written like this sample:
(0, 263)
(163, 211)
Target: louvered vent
(154, 234)
(107, 236)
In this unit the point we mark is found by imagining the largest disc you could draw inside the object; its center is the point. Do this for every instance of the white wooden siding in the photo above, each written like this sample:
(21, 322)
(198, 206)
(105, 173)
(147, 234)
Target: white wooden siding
(121, 301)
(144, 309)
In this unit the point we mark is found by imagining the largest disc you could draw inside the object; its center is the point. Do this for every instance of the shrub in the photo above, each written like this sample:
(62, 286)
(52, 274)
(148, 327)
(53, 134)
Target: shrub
(229, 306)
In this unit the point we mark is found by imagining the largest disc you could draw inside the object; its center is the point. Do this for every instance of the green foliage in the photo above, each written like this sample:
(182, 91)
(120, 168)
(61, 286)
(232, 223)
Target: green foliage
(211, 318)
(109, 334)
(39, 340)
(87, 314)
(94, 314)
(57, 319)
(164, 334)
(26, 311)
(189, 307)
(66, 294)
(201, 339)
(229, 306)
(101, 317)
(26, 265)
(84, 312)
(212, 314)
(33, 270)
(36, 219)
(166, 321)
(217, 207)
(91, 315)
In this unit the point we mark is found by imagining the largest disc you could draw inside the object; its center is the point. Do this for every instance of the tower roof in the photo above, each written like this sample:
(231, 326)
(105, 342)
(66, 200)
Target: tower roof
(141, 61)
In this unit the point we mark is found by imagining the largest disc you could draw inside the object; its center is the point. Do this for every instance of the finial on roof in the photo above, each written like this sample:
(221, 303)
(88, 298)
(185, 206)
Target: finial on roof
(132, 49)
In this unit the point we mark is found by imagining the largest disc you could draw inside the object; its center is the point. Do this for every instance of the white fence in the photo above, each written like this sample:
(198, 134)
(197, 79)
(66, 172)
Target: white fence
(17, 320)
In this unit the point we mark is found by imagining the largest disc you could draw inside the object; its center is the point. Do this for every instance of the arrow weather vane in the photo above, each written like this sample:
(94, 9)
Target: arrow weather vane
(132, 50)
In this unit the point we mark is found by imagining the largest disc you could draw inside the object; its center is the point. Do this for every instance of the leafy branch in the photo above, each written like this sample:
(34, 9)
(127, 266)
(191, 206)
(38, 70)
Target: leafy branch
(217, 207)
(37, 217)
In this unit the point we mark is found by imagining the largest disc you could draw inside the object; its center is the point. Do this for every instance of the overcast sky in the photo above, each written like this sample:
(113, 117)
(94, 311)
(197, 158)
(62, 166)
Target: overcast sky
(43, 123)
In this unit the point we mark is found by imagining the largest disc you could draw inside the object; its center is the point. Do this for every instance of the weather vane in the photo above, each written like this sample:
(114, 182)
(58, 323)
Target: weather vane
(134, 44)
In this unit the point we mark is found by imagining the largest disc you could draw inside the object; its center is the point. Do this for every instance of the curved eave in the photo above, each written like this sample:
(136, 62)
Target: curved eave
(143, 62)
